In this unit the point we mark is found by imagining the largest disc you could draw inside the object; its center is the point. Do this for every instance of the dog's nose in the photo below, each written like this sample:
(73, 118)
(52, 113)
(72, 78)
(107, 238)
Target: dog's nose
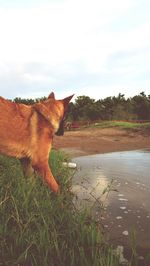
(60, 131)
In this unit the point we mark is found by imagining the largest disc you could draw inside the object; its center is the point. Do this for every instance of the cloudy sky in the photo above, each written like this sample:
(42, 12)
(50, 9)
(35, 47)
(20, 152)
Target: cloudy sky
(87, 47)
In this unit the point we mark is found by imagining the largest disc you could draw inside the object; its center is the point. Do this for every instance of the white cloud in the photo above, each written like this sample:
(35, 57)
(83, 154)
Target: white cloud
(37, 78)
(55, 33)
(73, 44)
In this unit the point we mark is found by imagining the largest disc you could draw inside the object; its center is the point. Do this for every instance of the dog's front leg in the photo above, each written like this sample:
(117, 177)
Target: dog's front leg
(28, 171)
(45, 171)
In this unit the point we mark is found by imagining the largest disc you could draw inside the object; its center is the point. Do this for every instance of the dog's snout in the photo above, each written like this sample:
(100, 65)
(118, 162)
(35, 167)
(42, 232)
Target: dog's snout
(60, 131)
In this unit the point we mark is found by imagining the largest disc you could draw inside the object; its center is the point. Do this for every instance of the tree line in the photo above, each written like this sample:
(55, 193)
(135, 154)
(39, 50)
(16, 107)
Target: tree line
(111, 108)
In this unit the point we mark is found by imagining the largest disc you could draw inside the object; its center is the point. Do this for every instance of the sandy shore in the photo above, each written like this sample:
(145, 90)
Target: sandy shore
(97, 140)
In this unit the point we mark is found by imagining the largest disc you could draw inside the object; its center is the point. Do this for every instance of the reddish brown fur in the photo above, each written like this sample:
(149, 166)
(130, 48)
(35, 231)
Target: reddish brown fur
(26, 132)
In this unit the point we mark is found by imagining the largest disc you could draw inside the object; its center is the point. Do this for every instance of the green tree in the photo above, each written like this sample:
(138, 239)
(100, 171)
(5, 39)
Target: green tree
(108, 104)
(84, 107)
(24, 101)
(141, 106)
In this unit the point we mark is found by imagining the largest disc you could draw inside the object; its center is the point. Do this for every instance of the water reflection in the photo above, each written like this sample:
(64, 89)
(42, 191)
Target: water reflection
(89, 181)
(130, 206)
(129, 165)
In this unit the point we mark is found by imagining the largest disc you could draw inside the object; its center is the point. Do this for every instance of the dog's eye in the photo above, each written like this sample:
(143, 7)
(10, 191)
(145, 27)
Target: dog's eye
(65, 116)
(63, 119)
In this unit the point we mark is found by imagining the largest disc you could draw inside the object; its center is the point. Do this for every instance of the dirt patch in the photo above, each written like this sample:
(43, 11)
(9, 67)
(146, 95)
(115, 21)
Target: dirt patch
(101, 140)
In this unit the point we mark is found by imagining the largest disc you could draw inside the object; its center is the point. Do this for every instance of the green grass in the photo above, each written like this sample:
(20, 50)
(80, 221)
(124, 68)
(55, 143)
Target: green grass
(123, 124)
(43, 229)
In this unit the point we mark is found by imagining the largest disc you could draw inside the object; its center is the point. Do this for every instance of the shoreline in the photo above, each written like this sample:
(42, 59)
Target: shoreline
(102, 141)
(99, 141)
(73, 153)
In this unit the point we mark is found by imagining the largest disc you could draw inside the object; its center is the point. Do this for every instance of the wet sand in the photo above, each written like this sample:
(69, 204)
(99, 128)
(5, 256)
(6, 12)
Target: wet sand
(101, 140)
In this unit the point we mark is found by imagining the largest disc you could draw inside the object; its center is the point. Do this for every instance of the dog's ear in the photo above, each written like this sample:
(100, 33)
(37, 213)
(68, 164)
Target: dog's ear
(43, 110)
(67, 100)
(51, 96)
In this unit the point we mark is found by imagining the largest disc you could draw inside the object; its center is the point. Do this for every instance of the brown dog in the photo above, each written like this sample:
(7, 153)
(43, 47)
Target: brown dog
(26, 132)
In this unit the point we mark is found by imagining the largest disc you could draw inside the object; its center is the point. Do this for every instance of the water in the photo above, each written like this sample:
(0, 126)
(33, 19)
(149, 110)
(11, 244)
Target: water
(128, 208)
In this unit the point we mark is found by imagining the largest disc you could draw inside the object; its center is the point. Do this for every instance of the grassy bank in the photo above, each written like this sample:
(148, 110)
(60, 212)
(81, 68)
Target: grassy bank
(123, 124)
(40, 228)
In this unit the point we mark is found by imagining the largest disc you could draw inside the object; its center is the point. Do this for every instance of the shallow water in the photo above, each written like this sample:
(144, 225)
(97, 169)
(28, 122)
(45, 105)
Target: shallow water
(128, 208)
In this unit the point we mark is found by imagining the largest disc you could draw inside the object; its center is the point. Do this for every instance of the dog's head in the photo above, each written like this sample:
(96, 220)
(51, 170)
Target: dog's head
(54, 111)
(60, 103)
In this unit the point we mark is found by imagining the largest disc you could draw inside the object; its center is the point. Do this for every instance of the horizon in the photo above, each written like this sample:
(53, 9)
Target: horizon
(75, 97)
